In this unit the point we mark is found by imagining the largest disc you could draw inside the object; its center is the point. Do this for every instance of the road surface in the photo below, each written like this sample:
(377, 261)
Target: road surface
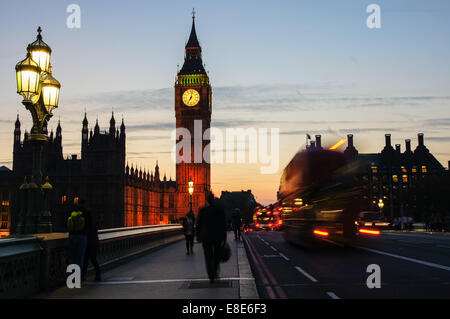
(412, 266)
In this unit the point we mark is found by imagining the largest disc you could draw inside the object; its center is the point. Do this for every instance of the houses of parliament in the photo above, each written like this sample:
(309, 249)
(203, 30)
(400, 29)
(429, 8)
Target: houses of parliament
(120, 195)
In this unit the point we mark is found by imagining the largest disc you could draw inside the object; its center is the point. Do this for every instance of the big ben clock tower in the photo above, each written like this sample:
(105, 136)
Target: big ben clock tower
(193, 110)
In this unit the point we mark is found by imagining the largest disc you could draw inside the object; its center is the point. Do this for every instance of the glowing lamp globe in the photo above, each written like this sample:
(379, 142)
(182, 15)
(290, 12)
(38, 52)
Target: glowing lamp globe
(40, 52)
(28, 75)
(50, 91)
(191, 187)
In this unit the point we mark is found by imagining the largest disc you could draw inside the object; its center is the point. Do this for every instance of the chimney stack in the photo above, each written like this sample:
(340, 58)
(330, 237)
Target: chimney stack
(318, 142)
(350, 140)
(387, 137)
(408, 145)
(420, 139)
(397, 148)
(312, 144)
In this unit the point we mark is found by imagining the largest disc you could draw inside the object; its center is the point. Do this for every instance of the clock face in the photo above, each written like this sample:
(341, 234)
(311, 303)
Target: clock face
(191, 97)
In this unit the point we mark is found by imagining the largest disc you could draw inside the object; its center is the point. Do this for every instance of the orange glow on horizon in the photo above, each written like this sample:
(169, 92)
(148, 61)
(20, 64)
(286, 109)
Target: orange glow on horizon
(335, 146)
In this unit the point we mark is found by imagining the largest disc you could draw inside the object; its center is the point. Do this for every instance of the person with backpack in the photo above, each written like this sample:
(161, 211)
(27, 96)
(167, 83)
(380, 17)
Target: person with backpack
(188, 229)
(212, 232)
(76, 226)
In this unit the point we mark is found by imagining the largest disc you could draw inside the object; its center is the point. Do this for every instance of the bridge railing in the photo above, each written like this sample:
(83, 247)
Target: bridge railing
(37, 263)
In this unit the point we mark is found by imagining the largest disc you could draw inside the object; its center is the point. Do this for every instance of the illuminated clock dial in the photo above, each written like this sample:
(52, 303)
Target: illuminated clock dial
(191, 97)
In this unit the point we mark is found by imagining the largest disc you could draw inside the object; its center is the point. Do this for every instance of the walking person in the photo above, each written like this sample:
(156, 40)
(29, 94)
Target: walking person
(237, 223)
(76, 226)
(212, 232)
(189, 231)
(92, 246)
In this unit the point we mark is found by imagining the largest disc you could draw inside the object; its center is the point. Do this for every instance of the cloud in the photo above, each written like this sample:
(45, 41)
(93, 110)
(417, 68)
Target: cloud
(151, 126)
(340, 131)
(438, 122)
(259, 99)
(149, 153)
(372, 129)
(438, 138)
(145, 137)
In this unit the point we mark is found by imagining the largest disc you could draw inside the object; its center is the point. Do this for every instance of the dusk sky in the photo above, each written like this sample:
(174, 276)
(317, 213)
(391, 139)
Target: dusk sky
(300, 66)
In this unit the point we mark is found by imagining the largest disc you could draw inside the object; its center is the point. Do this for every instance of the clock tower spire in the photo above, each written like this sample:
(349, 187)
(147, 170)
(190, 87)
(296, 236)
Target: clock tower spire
(193, 113)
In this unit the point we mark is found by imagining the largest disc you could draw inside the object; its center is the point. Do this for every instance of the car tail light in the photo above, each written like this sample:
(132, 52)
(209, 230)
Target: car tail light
(280, 222)
(270, 224)
(369, 231)
(381, 224)
(257, 225)
(322, 233)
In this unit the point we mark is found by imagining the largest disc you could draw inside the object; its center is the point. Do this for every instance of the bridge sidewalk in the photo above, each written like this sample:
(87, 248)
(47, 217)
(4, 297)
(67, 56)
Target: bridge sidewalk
(168, 273)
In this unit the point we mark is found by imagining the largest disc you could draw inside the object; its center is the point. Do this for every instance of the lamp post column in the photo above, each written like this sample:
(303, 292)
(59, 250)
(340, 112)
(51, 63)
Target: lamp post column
(36, 191)
(40, 92)
(45, 218)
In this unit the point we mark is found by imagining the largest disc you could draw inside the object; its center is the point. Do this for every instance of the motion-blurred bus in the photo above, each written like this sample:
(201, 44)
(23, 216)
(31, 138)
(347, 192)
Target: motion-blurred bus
(319, 198)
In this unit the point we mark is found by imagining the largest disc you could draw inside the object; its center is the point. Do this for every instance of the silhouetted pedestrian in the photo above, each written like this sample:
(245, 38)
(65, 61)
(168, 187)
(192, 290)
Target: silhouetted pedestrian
(236, 222)
(92, 246)
(212, 232)
(76, 226)
(189, 231)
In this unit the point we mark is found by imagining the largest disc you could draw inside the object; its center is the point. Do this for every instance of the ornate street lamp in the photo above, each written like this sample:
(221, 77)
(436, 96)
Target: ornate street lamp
(40, 91)
(191, 191)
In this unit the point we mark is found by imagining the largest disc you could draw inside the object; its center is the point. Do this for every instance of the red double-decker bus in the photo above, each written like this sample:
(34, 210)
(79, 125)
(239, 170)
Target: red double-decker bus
(319, 199)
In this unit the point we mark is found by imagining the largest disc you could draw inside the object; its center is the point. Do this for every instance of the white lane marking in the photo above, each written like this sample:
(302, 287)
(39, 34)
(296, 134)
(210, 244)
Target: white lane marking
(426, 263)
(332, 295)
(306, 274)
(273, 248)
(124, 282)
(120, 279)
(270, 256)
(261, 239)
(283, 255)
(418, 235)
